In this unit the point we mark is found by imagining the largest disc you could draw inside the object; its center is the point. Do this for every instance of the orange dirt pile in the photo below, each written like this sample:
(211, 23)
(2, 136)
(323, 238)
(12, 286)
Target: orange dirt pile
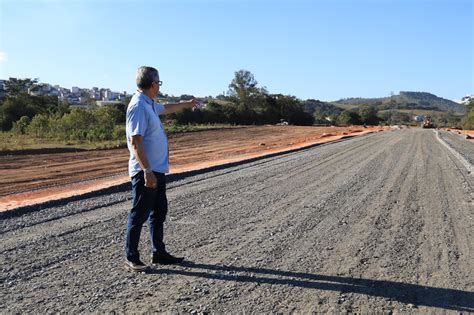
(34, 178)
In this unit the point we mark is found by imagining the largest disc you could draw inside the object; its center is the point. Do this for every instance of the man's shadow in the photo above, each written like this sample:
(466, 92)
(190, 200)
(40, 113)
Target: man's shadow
(450, 299)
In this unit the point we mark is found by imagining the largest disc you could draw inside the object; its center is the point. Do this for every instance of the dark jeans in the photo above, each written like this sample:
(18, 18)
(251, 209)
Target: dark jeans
(147, 203)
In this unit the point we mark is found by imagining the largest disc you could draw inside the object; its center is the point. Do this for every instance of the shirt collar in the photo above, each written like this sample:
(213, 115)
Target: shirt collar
(144, 97)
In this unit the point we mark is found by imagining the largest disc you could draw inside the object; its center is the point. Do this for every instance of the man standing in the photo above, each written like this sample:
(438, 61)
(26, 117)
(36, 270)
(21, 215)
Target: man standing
(148, 146)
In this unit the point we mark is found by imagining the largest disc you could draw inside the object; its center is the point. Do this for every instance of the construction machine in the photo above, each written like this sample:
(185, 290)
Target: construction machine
(427, 122)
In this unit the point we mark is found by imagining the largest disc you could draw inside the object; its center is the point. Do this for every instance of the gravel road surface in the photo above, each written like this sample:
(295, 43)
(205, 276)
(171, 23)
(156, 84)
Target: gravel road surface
(382, 222)
(460, 144)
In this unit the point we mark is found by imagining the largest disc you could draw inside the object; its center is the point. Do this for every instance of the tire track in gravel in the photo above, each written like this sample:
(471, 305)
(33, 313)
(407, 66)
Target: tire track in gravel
(377, 223)
(323, 237)
(290, 196)
(394, 244)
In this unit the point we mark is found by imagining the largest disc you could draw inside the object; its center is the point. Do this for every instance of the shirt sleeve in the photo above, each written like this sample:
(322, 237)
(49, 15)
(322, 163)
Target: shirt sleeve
(159, 107)
(136, 120)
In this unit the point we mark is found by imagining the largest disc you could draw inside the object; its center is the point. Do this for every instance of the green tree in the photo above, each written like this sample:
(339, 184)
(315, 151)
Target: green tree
(247, 96)
(368, 115)
(19, 103)
(279, 106)
(348, 118)
(214, 113)
(273, 110)
(121, 111)
(243, 86)
(15, 87)
(468, 119)
(13, 109)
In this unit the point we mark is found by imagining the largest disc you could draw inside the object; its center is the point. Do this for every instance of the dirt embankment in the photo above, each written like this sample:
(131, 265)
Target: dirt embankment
(33, 178)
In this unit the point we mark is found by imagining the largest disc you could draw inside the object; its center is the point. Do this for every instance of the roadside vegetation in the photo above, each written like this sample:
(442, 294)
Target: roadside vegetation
(29, 121)
(468, 120)
(13, 140)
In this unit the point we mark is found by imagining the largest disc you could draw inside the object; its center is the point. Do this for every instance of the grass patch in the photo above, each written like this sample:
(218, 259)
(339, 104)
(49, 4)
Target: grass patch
(175, 128)
(11, 141)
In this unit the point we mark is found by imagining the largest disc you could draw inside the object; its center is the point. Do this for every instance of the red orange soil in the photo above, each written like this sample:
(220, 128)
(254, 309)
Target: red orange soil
(28, 179)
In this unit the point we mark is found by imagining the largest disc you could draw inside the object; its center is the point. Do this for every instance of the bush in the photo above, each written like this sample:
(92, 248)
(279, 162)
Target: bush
(468, 120)
(39, 126)
(119, 133)
(21, 125)
(80, 124)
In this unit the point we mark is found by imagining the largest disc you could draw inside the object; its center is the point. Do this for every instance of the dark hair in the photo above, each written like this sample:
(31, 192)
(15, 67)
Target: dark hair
(146, 76)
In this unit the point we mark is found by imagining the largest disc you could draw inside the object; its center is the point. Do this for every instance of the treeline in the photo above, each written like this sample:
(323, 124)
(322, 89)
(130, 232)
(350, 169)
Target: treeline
(269, 109)
(47, 117)
(104, 123)
(245, 103)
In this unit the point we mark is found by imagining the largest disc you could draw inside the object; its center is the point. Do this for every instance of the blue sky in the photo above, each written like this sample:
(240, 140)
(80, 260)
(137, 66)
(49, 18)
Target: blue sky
(324, 49)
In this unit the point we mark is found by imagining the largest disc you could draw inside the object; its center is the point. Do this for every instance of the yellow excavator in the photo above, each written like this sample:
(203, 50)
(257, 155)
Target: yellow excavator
(427, 123)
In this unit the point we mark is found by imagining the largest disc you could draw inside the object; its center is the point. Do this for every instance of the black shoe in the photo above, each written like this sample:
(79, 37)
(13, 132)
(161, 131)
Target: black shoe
(165, 259)
(136, 266)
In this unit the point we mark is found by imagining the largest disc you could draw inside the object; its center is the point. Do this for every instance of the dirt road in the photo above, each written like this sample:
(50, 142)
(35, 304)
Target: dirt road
(382, 222)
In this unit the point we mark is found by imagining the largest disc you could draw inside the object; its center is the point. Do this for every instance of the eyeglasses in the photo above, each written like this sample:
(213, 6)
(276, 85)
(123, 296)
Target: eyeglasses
(160, 83)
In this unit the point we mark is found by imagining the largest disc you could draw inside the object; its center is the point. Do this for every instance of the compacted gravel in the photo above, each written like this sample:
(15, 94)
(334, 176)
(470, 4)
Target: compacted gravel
(460, 144)
(382, 222)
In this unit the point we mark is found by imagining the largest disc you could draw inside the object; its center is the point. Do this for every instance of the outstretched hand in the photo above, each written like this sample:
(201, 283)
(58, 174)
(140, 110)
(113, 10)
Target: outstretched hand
(197, 104)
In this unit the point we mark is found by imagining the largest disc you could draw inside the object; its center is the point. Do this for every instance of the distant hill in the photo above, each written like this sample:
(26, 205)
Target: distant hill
(405, 100)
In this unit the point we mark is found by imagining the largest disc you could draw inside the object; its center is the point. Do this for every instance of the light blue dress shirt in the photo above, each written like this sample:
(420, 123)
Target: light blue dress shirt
(143, 119)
